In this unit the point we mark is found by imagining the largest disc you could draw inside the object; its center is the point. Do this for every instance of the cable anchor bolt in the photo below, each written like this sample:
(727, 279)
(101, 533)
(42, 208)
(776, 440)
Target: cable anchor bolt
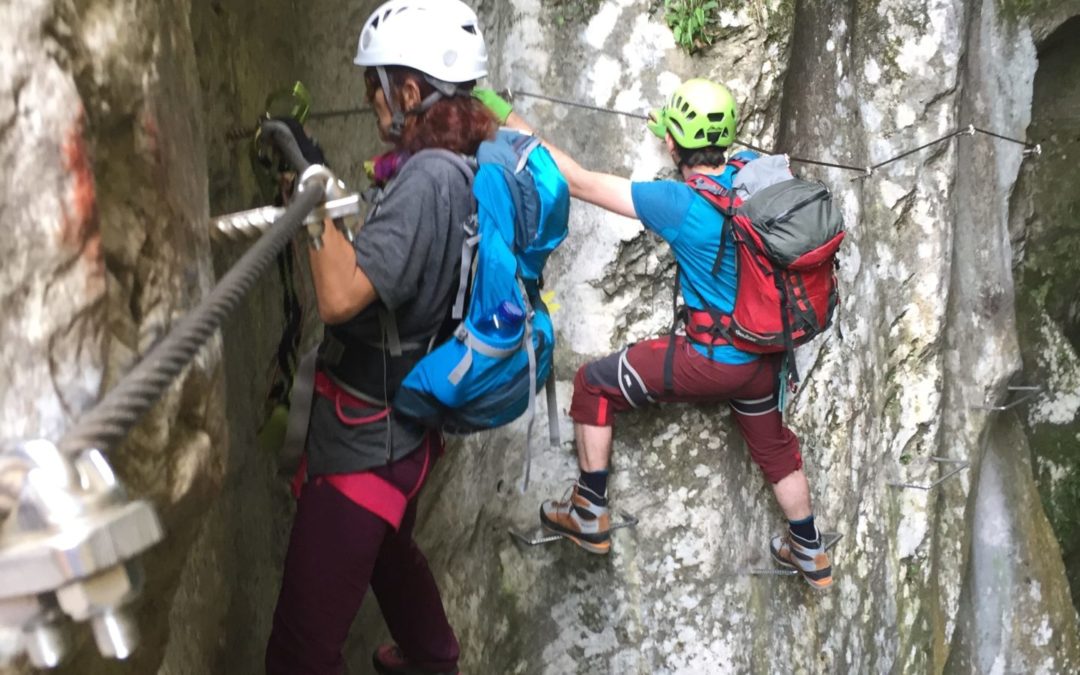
(340, 206)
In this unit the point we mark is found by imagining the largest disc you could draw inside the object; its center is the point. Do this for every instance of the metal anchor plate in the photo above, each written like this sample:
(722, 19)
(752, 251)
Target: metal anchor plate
(542, 536)
(829, 539)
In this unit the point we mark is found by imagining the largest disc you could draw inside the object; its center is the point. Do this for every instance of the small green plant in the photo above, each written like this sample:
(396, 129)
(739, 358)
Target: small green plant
(692, 22)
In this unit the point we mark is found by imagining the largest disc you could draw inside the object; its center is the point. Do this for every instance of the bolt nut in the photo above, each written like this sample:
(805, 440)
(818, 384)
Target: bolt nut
(46, 644)
(101, 592)
(115, 633)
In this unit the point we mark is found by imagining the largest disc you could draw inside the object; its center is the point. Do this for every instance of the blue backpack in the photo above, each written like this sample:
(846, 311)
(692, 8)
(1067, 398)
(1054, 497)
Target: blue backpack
(487, 375)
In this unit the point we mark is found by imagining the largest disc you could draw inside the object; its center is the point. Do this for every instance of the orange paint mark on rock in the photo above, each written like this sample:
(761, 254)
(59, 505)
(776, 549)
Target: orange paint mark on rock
(80, 227)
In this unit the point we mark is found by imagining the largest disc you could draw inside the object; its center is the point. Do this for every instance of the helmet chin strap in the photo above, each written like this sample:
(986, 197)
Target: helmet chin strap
(397, 118)
(443, 89)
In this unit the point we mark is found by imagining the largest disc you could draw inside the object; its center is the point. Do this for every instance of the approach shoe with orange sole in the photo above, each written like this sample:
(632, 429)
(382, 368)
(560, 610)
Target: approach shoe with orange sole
(811, 562)
(388, 660)
(579, 520)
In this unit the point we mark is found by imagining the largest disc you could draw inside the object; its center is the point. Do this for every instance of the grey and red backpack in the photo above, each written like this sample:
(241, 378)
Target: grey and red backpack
(787, 232)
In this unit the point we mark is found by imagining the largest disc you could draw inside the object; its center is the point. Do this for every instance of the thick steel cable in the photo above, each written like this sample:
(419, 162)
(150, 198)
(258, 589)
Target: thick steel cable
(278, 133)
(116, 414)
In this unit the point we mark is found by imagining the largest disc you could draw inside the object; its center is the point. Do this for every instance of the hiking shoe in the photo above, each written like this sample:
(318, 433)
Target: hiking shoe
(579, 520)
(811, 562)
(388, 660)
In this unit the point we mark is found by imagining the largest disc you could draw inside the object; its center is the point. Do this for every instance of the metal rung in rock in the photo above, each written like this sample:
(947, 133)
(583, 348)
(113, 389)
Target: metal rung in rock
(828, 538)
(542, 536)
(961, 465)
(1030, 391)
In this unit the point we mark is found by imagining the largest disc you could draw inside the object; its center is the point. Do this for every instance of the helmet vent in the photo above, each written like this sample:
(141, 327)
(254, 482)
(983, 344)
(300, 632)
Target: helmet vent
(469, 28)
(716, 117)
(714, 136)
(691, 115)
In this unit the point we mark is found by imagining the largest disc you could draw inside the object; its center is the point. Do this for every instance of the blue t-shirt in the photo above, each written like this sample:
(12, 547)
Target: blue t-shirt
(692, 227)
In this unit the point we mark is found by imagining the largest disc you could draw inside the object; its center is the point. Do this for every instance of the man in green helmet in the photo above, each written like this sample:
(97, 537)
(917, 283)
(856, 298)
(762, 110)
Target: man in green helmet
(698, 126)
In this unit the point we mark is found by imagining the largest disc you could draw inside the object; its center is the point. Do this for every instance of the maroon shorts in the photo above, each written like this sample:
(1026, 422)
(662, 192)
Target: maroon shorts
(634, 378)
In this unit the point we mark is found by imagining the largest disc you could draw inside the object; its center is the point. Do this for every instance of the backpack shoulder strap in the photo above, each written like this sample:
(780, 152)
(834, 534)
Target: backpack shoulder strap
(523, 146)
(738, 163)
(467, 165)
(719, 196)
(724, 201)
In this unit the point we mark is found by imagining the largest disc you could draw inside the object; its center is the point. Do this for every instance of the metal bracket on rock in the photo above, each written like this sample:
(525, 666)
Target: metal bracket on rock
(1031, 391)
(961, 465)
(541, 536)
(829, 540)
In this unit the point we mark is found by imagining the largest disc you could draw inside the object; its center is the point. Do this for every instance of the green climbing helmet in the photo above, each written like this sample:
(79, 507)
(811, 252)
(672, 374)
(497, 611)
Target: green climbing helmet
(701, 113)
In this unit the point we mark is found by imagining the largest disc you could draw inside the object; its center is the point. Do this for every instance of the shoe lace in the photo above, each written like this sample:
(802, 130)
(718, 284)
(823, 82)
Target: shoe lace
(566, 503)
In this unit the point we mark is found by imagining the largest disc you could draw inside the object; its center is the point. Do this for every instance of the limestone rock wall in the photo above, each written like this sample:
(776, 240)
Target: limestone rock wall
(1045, 217)
(105, 211)
(927, 581)
(121, 109)
(115, 116)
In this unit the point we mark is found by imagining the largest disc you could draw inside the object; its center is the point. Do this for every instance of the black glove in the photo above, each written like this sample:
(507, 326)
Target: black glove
(309, 147)
(279, 138)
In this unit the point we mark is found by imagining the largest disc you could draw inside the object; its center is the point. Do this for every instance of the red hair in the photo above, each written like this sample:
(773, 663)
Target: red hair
(457, 123)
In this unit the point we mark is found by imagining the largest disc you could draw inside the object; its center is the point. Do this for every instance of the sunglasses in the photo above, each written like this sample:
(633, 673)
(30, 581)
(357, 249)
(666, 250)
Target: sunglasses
(371, 84)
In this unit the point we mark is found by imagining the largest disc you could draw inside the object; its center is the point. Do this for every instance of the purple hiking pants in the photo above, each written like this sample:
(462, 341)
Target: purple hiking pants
(336, 550)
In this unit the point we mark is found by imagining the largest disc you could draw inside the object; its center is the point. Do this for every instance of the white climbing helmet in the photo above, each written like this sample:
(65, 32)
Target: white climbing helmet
(440, 38)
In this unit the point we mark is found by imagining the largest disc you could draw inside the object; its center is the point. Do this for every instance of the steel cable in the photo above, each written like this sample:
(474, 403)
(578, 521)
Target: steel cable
(115, 415)
(946, 137)
(865, 170)
(111, 420)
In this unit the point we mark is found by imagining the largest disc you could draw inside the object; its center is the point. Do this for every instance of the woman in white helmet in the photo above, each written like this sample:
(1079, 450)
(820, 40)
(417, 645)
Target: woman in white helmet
(366, 465)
